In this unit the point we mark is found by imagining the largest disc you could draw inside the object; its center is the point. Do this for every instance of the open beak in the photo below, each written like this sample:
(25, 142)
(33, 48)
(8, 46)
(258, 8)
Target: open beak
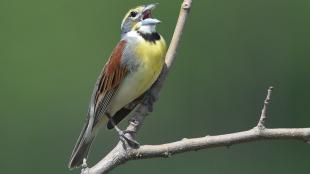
(147, 11)
(150, 21)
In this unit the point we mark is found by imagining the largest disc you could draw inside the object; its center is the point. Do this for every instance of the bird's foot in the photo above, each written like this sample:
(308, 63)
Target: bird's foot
(126, 138)
(84, 165)
(85, 169)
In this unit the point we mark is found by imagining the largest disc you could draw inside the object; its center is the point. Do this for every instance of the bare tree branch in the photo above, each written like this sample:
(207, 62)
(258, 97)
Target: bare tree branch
(194, 144)
(119, 155)
(122, 153)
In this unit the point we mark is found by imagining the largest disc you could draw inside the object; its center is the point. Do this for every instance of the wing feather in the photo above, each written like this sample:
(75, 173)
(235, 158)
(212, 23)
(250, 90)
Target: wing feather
(106, 86)
(107, 83)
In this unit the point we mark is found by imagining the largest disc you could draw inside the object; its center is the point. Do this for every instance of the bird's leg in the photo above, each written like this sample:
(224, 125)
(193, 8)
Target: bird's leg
(123, 134)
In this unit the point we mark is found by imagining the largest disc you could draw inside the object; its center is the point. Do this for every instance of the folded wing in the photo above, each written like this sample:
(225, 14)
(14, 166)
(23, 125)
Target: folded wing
(106, 86)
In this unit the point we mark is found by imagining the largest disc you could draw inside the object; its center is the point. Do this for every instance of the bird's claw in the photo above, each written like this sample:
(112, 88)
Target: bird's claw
(127, 139)
(84, 165)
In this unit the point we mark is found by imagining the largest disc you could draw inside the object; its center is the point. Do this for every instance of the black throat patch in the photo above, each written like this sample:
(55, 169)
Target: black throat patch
(151, 37)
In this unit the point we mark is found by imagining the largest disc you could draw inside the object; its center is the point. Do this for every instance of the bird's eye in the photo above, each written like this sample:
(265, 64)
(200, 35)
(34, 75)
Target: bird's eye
(133, 14)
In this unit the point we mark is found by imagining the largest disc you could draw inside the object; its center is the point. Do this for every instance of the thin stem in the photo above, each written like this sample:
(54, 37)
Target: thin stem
(263, 117)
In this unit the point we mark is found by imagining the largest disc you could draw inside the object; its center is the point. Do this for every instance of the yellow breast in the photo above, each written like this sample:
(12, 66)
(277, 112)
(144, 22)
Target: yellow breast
(150, 56)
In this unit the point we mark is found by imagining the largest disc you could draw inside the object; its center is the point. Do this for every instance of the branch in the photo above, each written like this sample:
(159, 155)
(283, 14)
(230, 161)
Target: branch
(122, 153)
(194, 144)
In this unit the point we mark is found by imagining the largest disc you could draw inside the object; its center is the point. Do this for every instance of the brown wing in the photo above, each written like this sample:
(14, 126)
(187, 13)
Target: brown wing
(107, 83)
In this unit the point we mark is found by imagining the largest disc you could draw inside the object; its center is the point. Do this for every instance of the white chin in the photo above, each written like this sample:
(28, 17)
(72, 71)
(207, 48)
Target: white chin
(147, 29)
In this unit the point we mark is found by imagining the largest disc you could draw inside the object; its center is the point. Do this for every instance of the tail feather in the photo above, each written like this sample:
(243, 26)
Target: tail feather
(84, 142)
(80, 154)
(82, 145)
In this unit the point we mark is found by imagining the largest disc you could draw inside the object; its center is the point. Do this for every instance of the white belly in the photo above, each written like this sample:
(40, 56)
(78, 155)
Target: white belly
(133, 86)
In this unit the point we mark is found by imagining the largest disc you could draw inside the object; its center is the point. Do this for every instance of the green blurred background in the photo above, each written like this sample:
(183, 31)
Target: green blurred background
(52, 51)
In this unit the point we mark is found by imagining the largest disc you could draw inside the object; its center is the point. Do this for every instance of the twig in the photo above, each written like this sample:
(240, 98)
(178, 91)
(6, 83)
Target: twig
(263, 116)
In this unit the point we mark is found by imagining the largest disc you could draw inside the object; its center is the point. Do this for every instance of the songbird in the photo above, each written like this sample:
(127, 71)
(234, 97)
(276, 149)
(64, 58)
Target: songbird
(132, 68)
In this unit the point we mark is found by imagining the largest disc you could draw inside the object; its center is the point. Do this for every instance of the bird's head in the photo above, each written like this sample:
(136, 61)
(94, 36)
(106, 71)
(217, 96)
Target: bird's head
(136, 15)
